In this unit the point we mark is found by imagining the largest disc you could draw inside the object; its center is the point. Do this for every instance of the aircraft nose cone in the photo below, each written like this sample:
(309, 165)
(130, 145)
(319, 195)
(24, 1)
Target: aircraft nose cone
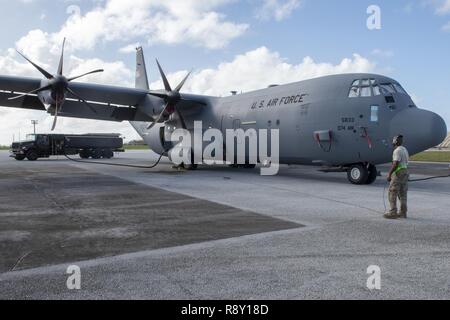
(422, 129)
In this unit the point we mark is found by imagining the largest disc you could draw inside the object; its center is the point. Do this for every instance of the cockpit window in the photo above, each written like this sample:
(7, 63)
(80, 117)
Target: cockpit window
(399, 88)
(370, 87)
(365, 82)
(364, 88)
(387, 88)
(354, 92)
(366, 92)
(376, 91)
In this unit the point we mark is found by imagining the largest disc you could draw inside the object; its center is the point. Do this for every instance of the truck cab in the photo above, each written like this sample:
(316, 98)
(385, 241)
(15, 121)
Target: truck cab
(28, 148)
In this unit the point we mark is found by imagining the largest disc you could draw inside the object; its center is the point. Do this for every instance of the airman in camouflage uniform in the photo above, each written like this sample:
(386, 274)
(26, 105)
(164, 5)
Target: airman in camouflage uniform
(398, 178)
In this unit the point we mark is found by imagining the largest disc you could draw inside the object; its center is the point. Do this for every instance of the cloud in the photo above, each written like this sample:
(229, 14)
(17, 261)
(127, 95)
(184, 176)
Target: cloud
(446, 27)
(260, 68)
(383, 53)
(130, 48)
(277, 9)
(193, 22)
(442, 6)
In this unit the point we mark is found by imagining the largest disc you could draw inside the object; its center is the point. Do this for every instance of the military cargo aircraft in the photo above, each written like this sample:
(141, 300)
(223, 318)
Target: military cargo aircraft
(341, 122)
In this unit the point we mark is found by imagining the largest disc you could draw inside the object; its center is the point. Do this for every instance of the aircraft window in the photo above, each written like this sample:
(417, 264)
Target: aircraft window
(399, 88)
(366, 92)
(355, 83)
(372, 81)
(374, 113)
(390, 99)
(387, 89)
(365, 82)
(376, 90)
(354, 92)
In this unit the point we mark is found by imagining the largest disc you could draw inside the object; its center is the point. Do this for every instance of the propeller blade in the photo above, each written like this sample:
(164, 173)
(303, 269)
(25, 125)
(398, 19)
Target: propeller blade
(81, 99)
(164, 78)
(180, 116)
(159, 117)
(41, 70)
(61, 61)
(55, 119)
(86, 74)
(31, 92)
(180, 86)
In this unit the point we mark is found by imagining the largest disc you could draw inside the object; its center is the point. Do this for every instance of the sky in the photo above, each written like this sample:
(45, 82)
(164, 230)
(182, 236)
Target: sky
(238, 45)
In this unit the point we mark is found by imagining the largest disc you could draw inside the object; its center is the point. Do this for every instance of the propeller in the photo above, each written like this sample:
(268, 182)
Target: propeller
(170, 97)
(58, 85)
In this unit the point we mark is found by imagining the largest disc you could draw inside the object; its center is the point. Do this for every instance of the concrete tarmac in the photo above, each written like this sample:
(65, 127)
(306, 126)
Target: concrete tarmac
(215, 233)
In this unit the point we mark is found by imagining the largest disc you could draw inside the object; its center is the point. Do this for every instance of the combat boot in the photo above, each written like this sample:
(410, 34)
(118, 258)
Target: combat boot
(391, 216)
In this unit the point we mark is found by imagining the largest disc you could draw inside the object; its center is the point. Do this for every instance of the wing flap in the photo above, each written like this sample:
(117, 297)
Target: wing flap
(77, 109)
(28, 102)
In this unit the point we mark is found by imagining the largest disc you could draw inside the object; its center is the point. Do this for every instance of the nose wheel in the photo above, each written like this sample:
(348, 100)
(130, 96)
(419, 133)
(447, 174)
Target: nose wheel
(360, 174)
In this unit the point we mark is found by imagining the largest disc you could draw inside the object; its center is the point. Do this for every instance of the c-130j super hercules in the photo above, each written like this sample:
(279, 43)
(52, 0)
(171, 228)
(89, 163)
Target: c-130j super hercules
(341, 122)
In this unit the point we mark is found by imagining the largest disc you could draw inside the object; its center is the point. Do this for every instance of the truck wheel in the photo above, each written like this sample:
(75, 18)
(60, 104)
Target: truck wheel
(96, 154)
(108, 154)
(373, 174)
(358, 174)
(32, 156)
(84, 154)
(19, 157)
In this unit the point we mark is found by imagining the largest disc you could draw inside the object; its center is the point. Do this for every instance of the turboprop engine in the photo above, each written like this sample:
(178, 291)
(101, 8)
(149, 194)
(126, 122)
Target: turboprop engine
(156, 138)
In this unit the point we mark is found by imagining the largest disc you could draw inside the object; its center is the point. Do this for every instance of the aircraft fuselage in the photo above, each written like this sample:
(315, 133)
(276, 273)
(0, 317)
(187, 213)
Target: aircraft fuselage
(361, 123)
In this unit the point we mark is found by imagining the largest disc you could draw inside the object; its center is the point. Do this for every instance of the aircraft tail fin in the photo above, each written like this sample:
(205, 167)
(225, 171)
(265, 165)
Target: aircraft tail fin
(141, 70)
(141, 83)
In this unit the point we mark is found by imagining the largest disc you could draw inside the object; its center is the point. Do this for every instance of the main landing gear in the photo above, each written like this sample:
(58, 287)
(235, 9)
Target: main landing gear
(360, 174)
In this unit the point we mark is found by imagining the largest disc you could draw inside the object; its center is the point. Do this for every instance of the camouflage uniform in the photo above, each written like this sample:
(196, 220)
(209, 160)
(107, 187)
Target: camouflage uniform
(399, 183)
(399, 190)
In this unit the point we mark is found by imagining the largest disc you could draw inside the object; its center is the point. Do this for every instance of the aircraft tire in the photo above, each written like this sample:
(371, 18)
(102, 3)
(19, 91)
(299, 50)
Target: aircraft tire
(373, 174)
(358, 174)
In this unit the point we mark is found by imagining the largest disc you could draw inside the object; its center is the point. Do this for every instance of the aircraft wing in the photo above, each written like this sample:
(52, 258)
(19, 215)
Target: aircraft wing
(110, 102)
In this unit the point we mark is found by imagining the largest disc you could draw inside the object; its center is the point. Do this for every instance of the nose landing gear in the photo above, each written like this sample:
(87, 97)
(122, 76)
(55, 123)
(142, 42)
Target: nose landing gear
(361, 174)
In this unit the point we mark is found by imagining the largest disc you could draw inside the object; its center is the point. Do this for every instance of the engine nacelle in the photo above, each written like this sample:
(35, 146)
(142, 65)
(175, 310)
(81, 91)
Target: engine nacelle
(46, 99)
(156, 139)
